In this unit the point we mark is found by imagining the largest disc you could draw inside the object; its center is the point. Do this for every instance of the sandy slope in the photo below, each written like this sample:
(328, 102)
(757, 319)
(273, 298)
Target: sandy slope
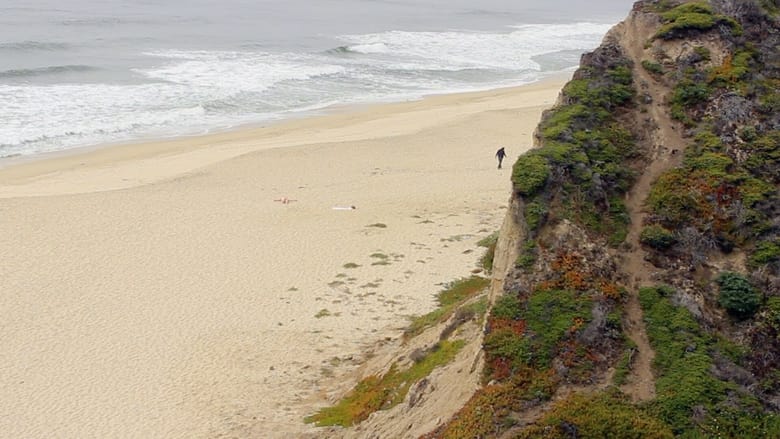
(158, 290)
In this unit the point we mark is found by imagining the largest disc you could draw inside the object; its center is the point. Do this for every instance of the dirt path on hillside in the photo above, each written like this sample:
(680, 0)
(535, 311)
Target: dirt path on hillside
(665, 152)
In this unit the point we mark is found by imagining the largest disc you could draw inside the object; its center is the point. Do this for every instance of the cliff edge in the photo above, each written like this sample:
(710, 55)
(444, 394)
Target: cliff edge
(636, 282)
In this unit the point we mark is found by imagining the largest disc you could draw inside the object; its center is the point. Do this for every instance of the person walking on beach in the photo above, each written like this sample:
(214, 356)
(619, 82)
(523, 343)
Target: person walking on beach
(500, 154)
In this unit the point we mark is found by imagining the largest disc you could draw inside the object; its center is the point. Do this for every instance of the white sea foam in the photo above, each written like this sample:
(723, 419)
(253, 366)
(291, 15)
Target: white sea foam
(461, 50)
(189, 91)
(47, 118)
(236, 71)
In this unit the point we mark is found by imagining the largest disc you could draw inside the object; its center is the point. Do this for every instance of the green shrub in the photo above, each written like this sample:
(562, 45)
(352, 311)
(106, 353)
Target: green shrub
(771, 6)
(609, 414)
(670, 199)
(682, 363)
(507, 307)
(706, 140)
(453, 295)
(505, 345)
(657, 237)
(737, 296)
(530, 173)
(687, 8)
(689, 93)
(486, 261)
(682, 22)
(653, 67)
(527, 255)
(703, 52)
(550, 316)
(696, 16)
(765, 253)
(712, 163)
(535, 213)
(492, 409)
(582, 140)
(529, 333)
(686, 95)
(733, 69)
(770, 103)
(748, 133)
(623, 367)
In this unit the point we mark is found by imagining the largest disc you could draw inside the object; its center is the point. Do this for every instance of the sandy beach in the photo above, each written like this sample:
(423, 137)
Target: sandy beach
(158, 290)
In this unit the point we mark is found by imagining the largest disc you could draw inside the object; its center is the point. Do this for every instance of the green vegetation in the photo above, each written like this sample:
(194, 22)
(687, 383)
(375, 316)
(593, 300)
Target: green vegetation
(486, 261)
(771, 6)
(695, 16)
(703, 52)
(322, 313)
(682, 360)
(721, 197)
(381, 393)
(529, 174)
(765, 253)
(718, 197)
(478, 308)
(608, 414)
(551, 316)
(581, 171)
(653, 67)
(535, 213)
(527, 255)
(737, 295)
(489, 240)
(449, 299)
(733, 70)
(692, 401)
(657, 237)
(721, 193)
(687, 94)
(489, 411)
(623, 367)
(531, 335)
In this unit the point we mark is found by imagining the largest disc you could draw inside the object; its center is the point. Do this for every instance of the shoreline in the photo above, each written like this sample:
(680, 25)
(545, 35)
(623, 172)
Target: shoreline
(327, 111)
(159, 290)
(18, 169)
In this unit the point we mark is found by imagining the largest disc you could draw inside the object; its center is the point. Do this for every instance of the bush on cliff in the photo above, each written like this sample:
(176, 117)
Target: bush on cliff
(695, 16)
(529, 174)
(657, 237)
(737, 295)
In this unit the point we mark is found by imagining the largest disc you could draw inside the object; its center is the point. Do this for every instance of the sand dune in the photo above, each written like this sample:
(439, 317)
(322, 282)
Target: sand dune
(158, 290)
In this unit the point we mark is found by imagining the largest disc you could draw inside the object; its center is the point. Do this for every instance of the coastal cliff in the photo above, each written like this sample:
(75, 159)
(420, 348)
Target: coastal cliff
(635, 286)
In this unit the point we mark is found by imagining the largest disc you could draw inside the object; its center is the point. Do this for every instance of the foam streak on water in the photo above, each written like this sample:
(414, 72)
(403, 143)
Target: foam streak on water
(63, 92)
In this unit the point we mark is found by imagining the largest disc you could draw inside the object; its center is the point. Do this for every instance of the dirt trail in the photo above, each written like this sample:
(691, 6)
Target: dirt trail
(665, 146)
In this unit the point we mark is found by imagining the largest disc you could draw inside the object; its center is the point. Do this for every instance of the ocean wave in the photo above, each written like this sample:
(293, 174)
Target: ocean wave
(105, 21)
(44, 71)
(340, 50)
(236, 71)
(181, 91)
(379, 47)
(29, 46)
(80, 114)
(512, 49)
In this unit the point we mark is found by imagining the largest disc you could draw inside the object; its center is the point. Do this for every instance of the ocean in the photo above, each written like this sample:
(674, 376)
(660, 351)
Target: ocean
(86, 72)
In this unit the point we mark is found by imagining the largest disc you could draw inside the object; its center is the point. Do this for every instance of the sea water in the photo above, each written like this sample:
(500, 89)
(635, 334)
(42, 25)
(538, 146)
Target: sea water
(86, 72)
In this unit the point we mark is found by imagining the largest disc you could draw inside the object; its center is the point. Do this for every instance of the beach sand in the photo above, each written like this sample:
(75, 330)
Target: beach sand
(157, 290)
